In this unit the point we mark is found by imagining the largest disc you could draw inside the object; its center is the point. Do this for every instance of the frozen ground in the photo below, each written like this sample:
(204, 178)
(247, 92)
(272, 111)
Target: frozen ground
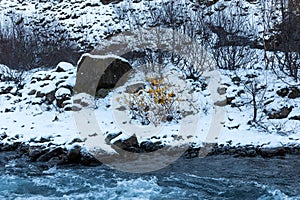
(33, 116)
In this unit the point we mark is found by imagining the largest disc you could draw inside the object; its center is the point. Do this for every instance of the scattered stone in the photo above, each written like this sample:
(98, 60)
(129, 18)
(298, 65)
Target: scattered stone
(297, 117)
(149, 146)
(6, 90)
(32, 92)
(63, 67)
(111, 136)
(281, 114)
(129, 144)
(221, 103)
(57, 152)
(50, 97)
(236, 80)
(283, 92)
(295, 93)
(271, 152)
(131, 89)
(3, 136)
(222, 90)
(36, 152)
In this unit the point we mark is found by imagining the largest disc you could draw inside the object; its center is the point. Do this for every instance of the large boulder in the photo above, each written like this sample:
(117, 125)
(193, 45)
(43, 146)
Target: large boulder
(99, 72)
(113, 74)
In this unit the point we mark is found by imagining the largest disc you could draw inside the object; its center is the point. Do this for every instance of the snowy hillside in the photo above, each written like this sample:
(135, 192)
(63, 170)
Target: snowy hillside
(260, 107)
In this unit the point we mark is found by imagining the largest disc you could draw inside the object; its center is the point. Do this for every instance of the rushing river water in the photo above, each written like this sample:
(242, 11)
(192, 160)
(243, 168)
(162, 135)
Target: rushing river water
(213, 177)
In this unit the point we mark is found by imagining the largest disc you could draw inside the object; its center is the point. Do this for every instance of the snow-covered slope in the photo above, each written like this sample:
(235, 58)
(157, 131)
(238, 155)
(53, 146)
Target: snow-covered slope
(41, 111)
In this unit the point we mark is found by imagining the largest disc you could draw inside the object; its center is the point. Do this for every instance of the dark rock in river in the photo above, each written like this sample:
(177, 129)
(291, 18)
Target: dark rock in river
(74, 155)
(57, 152)
(130, 144)
(271, 152)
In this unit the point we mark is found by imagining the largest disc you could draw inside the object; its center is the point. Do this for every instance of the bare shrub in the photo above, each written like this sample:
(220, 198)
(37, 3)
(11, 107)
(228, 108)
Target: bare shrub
(23, 48)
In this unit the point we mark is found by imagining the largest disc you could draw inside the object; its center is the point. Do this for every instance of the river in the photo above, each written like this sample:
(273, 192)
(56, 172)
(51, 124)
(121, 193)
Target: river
(212, 177)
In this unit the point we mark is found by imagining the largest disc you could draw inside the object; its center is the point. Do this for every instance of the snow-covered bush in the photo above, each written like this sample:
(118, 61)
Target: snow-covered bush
(156, 103)
(159, 100)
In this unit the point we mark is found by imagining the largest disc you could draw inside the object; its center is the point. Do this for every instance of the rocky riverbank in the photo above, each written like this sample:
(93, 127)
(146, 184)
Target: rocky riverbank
(46, 157)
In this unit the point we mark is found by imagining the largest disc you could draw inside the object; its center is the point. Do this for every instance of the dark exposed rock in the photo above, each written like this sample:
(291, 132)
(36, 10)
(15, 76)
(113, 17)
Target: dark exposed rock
(271, 152)
(3, 136)
(129, 144)
(113, 73)
(92, 78)
(221, 103)
(281, 114)
(149, 146)
(35, 153)
(32, 92)
(236, 80)
(74, 155)
(111, 136)
(6, 90)
(292, 92)
(297, 117)
(39, 94)
(57, 152)
(50, 97)
(89, 160)
(105, 2)
(295, 93)
(131, 89)
(283, 92)
(12, 109)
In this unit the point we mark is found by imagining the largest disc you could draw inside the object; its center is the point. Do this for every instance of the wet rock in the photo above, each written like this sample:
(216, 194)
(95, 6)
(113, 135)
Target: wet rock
(149, 146)
(271, 152)
(251, 153)
(74, 155)
(111, 136)
(57, 152)
(129, 144)
(35, 153)
(281, 114)
(89, 160)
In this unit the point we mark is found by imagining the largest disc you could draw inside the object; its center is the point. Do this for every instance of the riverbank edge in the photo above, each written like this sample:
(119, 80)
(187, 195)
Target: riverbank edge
(48, 157)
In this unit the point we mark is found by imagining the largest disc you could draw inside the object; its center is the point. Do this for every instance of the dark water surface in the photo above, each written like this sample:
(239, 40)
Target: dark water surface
(213, 177)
